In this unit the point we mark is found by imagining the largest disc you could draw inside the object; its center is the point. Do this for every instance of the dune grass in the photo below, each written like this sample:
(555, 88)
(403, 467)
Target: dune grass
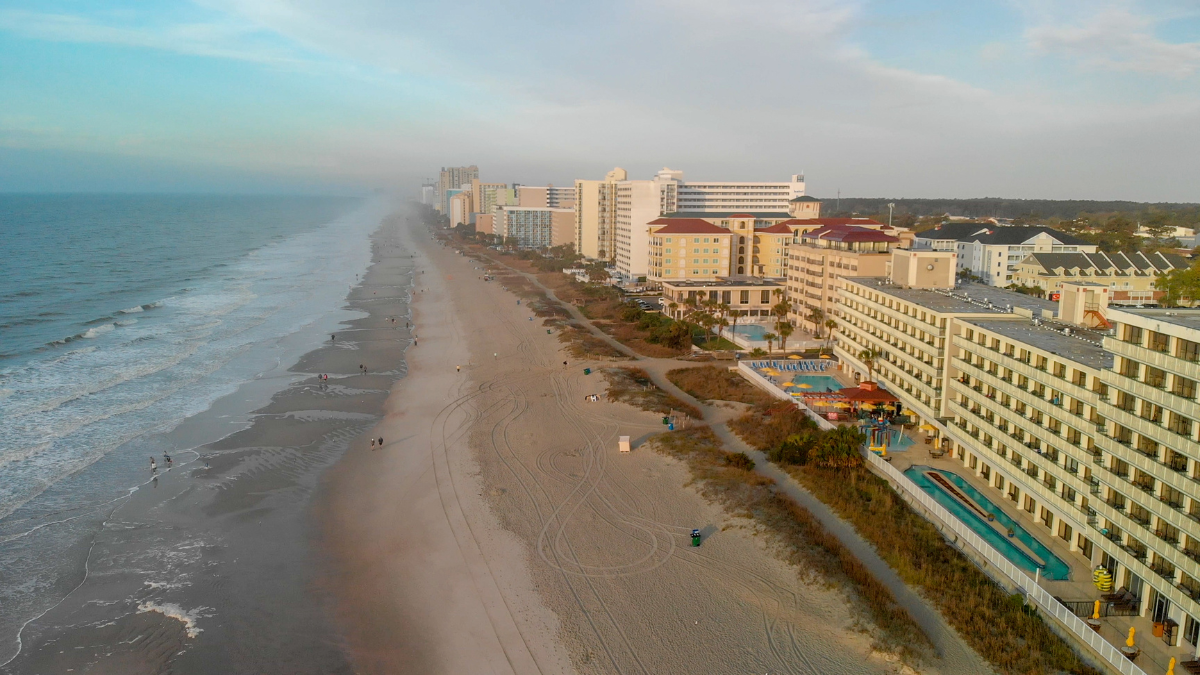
(634, 386)
(708, 383)
(727, 478)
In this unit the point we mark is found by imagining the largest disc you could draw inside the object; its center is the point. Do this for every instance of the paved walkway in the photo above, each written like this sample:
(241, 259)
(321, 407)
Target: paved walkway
(948, 644)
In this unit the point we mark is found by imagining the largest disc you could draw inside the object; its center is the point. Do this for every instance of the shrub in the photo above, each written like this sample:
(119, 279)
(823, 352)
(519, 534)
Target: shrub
(766, 427)
(634, 386)
(739, 460)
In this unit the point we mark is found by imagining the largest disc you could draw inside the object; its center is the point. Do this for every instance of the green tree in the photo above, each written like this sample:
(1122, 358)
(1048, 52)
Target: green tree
(816, 317)
(868, 358)
(1182, 287)
(838, 448)
(785, 329)
(830, 327)
(770, 338)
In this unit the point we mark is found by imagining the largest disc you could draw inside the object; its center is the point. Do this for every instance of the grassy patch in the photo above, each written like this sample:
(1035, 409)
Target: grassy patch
(983, 613)
(718, 344)
(634, 386)
(795, 534)
(768, 425)
(709, 383)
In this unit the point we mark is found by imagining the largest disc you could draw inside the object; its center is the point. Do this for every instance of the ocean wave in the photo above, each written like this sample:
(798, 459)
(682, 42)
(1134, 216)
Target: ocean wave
(97, 331)
(132, 310)
(126, 322)
(187, 617)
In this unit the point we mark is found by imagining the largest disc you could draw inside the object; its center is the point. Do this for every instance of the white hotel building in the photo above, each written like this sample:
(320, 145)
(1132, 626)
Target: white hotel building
(641, 201)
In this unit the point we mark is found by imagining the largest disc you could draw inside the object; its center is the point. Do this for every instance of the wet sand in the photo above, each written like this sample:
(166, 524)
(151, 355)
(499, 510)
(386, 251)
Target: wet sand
(500, 531)
(214, 570)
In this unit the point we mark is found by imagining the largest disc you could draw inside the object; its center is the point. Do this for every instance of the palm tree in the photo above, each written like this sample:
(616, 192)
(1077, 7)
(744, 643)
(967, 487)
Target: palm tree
(816, 316)
(785, 329)
(671, 307)
(770, 338)
(830, 326)
(868, 357)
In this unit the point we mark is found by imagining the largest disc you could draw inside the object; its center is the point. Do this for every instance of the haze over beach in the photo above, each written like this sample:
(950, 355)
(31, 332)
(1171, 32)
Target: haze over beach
(812, 337)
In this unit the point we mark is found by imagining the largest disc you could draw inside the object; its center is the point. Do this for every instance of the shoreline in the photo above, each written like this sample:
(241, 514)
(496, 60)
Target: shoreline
(213, 570)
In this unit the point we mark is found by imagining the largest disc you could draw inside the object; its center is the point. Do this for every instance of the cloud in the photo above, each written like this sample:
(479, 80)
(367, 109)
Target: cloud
(1115, 38)
(219, 40)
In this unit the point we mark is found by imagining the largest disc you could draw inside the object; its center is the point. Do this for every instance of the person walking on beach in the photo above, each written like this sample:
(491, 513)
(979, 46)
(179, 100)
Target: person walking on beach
(372, 443)
(458, 369)
(153, 466)
(333, 338)
(381, 442)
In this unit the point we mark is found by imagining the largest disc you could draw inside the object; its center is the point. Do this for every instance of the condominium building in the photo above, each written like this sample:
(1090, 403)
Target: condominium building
(534, 227)
(453, 178)
(595, 215)
(739, 196)
(639, 202)
(992, 252)
(486, 196)
(688, 249)
(825, 251)
(1130, 277)
(460, 208)
(560, 197)
(428, 194)
(1092, 433)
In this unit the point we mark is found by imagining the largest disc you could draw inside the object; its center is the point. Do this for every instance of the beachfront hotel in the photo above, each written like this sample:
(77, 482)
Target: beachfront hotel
(595, 215)
(823, 251)
(638, 202)
(535, 227)
(453, 178)
(1079, 417)
(747, 297)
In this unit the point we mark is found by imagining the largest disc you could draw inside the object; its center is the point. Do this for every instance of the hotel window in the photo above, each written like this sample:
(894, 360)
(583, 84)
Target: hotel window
(1191, 631)
(1183, 387)
(1187, 350)
(744, 297)
(1159, 342)
(1155, 378)
(1132, 334)
(1130, 368)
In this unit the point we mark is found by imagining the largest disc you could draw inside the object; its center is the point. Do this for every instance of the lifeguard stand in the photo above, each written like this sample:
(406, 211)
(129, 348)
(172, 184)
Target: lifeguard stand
(623, 444)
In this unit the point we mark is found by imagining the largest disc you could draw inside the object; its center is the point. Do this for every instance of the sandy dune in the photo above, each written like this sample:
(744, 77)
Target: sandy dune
(499, 530)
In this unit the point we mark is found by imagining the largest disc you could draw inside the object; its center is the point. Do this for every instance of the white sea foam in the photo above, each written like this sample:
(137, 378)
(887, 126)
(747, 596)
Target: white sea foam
(132, 310)
(187, 617)
(125, 322)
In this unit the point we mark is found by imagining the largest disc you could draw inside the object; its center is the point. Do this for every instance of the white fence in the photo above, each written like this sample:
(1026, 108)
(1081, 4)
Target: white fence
(1015, 575)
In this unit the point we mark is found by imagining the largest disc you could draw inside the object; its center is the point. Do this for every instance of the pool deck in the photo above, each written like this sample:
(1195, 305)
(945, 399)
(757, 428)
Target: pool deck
(1155, 653)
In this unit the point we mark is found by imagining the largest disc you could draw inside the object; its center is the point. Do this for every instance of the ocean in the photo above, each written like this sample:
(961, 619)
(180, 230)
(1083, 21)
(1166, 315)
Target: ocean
(123, 319)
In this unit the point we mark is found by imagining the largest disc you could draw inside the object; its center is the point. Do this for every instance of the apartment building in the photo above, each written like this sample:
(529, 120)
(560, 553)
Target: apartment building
(461, 208)
(453, 178)
(486, 196)
(534, 227)
(562, 197)
(820, 256)
(1091, 433)
(746, 296)
(739, 196)
(1129, 276)
(992, 252)
(688, 249)
(639, 202)
(595, 215)
(910, 328)
(428, 192)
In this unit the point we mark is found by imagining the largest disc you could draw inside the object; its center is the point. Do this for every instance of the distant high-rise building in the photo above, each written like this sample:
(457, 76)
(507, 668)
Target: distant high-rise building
(535, 226)
(595, 206)
(485, 196)
(453, 178)
(428, 194)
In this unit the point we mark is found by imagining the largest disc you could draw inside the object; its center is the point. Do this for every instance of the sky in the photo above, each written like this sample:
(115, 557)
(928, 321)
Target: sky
(1051, 99)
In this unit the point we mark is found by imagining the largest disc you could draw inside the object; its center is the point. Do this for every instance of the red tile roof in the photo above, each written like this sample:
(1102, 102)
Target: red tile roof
(849, 233)
(832, 221)
(687, 226)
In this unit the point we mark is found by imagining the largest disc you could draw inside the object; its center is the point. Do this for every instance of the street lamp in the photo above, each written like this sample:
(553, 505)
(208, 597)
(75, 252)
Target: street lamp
(891, 207)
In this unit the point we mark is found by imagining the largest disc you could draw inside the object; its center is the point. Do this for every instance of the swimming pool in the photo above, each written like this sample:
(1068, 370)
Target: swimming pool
(815, 382)
(752, 332)
(1052, 566)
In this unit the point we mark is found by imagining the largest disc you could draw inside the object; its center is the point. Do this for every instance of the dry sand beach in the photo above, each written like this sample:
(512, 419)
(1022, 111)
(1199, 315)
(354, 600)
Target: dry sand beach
(499, 531)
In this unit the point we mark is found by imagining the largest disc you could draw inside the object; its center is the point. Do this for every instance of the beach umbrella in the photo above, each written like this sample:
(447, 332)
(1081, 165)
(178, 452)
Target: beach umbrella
(789, 383)
(840, 404)
(927, 427)
(795, 357)
(826, 356)
(804, 385)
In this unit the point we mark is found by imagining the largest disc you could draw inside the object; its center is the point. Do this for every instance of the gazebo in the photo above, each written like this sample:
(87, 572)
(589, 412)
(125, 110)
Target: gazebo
(866, 395)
